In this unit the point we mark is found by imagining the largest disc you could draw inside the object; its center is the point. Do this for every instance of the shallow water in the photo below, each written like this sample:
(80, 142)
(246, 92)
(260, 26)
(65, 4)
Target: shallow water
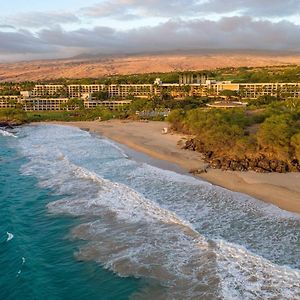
(186, 238)
(36, 248)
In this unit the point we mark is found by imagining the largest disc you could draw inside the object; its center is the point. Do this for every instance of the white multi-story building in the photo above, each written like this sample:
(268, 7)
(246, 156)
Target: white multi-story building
(8, 101)
(130, 90)
(253, 91)
(209, 88)
(76, 90)
(106, 103)
(47, 90)
(43, 104)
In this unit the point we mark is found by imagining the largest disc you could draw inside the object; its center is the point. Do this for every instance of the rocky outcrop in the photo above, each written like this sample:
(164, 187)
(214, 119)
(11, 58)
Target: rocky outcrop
(6, 125)
(200, 170)
(258, 163)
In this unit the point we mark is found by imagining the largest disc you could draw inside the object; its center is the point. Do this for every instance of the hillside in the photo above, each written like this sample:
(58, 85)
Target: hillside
(94, 67)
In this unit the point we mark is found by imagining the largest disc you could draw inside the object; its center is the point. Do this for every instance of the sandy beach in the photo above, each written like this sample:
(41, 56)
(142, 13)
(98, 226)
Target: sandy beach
(282, 190)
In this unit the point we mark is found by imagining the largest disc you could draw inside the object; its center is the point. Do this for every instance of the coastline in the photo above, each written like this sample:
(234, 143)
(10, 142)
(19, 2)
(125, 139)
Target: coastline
(282, 190)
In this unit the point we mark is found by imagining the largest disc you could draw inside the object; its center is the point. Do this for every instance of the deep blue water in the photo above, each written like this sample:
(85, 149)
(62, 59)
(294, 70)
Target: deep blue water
(90, 222)
(39, 262)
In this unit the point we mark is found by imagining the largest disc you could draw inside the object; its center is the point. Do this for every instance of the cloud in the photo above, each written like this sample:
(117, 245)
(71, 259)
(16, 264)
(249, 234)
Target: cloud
(42, 19)
(150, 8)
(255, 8)
(5, 26)
(231, 33)
(180, 8)
(22, 42)
(227, 33)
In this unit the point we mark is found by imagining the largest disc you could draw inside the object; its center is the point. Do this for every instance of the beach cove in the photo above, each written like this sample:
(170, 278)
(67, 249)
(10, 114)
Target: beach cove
(282, 190)
(123, 218)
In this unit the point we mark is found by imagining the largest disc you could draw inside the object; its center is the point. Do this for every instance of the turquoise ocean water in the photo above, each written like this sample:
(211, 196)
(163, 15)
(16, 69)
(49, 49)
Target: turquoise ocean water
(38, 263)
(79, 219)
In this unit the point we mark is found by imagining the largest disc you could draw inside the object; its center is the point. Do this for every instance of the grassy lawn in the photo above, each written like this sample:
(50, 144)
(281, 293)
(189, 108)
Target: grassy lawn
(39, 116)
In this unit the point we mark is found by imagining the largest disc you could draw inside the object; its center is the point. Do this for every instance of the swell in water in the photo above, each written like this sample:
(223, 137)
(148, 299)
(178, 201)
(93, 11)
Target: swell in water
(188, 238)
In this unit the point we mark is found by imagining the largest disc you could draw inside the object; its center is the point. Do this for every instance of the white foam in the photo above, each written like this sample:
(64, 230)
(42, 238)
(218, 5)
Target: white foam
(125, 202)
(146, 170)
(187, 264)
(7, 133)
(10, 236)
(249, 276)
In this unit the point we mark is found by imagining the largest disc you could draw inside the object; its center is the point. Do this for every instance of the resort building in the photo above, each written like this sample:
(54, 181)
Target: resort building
(8, 101)
(53, 97)
(56, 104)
(215, 87)
(76, 90)
(256, 90)
(43, 104)
(130, 90)
(210, 88)
(109, 104)
(113, 90)
(47, 90)
(192, 78)
(243, 90)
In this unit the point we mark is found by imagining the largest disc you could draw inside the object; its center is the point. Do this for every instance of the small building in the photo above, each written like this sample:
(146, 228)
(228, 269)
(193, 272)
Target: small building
(26, 94)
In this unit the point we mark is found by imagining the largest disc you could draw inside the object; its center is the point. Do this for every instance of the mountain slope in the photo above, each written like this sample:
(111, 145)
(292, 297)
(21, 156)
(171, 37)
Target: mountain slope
(143, 63)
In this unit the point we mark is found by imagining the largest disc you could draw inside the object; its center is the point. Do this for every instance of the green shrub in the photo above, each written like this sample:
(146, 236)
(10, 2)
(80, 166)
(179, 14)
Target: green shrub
(13, 115)
(275, 133)
(295, 142)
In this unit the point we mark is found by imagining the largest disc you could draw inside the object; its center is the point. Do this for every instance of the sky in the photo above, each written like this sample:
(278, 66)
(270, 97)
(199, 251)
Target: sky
(36, 29)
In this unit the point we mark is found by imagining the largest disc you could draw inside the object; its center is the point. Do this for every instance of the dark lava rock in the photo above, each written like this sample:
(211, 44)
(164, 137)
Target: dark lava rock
(260, 164)
(216, 164)
(273, 164)
(6, 125)
(190, 145)
(282, 167)
(264, 164)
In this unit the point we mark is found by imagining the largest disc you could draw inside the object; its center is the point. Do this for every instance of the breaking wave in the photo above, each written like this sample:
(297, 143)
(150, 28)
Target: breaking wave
(7, 133)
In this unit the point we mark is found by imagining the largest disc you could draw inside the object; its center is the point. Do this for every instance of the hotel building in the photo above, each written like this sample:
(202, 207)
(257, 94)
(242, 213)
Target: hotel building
(130, 90)
(43, 104)
(49, 90)
(77, 90)
(52, 97)
(8, 101)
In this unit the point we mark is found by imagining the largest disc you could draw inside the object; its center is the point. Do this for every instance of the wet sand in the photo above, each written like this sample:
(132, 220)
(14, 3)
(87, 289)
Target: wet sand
(282, 190)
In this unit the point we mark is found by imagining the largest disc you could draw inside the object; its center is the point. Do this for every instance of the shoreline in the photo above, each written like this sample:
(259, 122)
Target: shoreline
(282, 190)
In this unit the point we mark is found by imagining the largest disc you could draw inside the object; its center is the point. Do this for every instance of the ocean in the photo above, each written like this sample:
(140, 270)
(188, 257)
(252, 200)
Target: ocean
(81, 219)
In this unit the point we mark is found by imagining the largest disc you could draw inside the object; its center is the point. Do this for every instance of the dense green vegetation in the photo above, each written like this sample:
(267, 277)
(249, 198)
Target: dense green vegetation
(13, 116)
(18, 116)
(258, 75)
(100, 113)
(272, 132)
